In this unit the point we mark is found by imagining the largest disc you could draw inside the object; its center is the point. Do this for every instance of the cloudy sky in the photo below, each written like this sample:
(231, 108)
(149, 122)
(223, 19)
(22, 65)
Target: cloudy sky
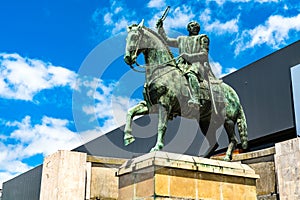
(62, 77)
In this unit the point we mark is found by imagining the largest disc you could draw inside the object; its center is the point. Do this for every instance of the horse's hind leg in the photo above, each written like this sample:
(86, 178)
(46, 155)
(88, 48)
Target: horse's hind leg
(139, 109)
(229, 127)
(209, 130)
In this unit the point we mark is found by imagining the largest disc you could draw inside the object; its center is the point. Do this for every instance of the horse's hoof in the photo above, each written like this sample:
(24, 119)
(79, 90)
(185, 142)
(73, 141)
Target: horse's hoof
(227, 159)
(128, 140)
(245, 145)
(157, 148)
(153, 149)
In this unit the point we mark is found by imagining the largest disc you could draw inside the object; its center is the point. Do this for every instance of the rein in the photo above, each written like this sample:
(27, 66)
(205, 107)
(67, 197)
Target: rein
(135, 54)
(161, 75)
(144, 67)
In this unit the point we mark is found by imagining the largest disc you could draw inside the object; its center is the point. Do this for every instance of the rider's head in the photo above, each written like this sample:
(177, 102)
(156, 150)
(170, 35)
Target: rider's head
(193, 28)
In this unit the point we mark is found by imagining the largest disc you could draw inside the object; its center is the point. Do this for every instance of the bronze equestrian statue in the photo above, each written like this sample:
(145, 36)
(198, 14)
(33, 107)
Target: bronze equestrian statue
(168, 91)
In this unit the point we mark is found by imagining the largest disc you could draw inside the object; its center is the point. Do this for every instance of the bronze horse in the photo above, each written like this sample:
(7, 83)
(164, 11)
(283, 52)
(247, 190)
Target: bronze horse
(166, 92)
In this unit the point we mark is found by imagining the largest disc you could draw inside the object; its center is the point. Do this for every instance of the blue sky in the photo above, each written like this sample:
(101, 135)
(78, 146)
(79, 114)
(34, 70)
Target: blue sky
(62, 77)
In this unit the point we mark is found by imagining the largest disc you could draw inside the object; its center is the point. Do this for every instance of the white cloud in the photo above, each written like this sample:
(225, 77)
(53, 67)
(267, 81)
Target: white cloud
(230, 70)
(219, 71)
(178, 17)
(222, 2)
(108, 19)
(4, 176)
(108, 106)
(216, 69)
(205, 16)
(115, 18)
(21, 77)
(118, 9)
(267, 1)
(156, 4)
(47, 137)
(221, 28)
(219, 2)
(44, 138)
(274, 32)
(216, 26)
(181, 16)
(120, 26)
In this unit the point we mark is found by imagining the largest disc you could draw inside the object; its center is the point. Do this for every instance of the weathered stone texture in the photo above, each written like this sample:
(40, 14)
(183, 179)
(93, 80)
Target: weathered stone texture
(287, 159)
(104, 184)
(171, 176)
(63, 177)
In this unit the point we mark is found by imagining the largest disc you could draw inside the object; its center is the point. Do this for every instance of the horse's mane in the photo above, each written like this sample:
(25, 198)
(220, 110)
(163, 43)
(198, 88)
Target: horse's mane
(158, 36)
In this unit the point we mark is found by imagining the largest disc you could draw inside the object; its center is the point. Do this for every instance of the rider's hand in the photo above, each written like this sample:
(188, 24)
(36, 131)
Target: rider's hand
(185, 56)
(159, 23)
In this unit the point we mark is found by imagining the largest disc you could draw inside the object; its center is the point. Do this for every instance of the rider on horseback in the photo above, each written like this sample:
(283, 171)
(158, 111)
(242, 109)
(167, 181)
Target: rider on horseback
(193, 50)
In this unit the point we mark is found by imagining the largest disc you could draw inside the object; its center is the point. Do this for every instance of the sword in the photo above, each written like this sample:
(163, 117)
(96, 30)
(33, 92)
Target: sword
(163, 17)
(210, 88)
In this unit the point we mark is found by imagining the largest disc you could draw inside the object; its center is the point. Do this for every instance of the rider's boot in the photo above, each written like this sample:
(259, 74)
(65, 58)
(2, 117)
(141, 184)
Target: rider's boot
(195, 91)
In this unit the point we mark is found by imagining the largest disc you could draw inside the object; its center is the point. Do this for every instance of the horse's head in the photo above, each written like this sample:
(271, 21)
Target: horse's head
(133, 42)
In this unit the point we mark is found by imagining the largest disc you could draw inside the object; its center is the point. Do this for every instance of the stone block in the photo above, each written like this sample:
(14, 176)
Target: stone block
(126, 193)
(64, 175)
(287, 167)
(182, 184)
(207, 188)
(266, 184)
(144, 183)
(287, 147)
(162, 184)
(104, 183)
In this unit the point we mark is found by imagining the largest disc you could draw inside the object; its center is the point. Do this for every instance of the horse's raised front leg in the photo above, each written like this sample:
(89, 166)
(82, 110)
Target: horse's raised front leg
(162, 127)
(140, 109)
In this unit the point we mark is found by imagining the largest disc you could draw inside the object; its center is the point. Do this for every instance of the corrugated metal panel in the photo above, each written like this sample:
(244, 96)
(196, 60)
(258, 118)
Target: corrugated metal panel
(25, 186)
(295, 72)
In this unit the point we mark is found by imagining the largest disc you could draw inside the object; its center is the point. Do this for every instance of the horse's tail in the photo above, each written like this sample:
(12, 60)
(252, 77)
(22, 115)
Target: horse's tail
(242, 127)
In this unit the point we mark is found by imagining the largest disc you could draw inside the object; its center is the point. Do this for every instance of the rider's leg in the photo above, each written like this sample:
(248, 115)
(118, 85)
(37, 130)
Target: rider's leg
(195, 89)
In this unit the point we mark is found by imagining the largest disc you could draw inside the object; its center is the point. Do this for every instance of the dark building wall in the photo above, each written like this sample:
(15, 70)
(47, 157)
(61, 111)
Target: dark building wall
(265, 91)
(25, 186)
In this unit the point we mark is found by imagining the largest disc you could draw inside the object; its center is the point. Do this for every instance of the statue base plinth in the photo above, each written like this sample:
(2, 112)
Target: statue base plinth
(162, 175)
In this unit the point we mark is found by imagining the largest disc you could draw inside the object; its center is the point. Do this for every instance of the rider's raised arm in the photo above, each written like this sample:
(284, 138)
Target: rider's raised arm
(173, 42)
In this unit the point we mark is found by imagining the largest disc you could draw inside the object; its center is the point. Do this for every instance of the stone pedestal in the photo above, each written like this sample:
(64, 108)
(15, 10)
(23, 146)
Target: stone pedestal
(161, 175)
(287, 164)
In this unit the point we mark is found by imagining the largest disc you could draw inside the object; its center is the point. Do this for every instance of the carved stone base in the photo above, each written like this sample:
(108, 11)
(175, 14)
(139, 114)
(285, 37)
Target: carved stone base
(161, 175)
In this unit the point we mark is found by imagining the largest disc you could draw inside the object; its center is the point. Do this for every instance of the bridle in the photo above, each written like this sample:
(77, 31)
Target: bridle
(141, 35)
